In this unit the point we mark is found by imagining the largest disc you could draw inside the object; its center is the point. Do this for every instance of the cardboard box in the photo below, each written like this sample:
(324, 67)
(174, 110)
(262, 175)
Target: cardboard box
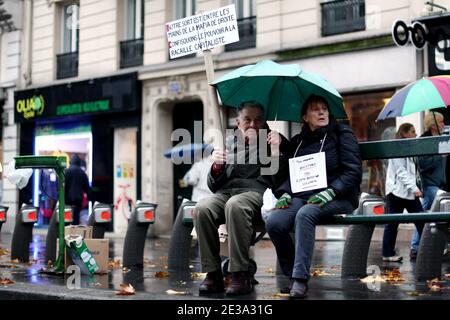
(100, 252)
(99, 249)
(84, 231)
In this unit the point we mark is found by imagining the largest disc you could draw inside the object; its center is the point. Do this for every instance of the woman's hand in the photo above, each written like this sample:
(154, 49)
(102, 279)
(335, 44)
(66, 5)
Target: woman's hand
(274, 140)
(323, 197)
(418, 194)
(284, 201)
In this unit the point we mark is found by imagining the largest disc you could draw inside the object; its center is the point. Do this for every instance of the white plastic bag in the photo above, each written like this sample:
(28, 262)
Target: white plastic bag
(19, 177)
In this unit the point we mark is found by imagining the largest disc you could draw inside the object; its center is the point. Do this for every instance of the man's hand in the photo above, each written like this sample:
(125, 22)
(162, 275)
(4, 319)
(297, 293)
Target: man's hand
(219, 157)
(322, 198)
(284, 201)
(274, 140)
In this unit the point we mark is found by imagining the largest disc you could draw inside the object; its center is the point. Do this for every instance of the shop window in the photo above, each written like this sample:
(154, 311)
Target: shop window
(67, 61)
(246, 20)
(343, 16)
(362, 110)
(132, 49)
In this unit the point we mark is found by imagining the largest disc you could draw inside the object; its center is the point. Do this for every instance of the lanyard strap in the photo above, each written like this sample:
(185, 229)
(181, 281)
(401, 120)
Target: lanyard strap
(321, 146)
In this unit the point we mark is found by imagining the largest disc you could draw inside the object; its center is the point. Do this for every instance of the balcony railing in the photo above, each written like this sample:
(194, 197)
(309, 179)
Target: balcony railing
(67, 65)
(247, 35)
(131, 53)
(343, 16)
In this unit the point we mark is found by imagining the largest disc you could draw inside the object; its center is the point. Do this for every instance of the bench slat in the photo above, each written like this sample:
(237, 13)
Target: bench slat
(387, 218)
(401, 148)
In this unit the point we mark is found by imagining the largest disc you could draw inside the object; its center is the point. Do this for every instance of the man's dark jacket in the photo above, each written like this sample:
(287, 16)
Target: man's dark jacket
(343, 160)
(241, 177)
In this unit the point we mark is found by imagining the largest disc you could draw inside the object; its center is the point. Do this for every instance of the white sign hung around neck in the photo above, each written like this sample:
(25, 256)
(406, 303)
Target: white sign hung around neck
(308, 172)
(202, 31)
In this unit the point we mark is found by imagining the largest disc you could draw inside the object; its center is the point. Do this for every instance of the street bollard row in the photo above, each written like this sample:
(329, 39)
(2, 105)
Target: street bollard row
(133, 248)
(23, 232)
(3, 217)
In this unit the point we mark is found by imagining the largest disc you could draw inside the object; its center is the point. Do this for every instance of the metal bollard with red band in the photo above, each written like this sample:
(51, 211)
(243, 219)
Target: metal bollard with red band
(52, 233)
(181, 240)
(140, 219)
(100, 219)
(3, 217)
(23, 232)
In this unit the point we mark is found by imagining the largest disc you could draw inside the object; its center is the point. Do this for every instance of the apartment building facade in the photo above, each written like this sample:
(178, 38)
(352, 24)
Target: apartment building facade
(12, 24)
(103, 85)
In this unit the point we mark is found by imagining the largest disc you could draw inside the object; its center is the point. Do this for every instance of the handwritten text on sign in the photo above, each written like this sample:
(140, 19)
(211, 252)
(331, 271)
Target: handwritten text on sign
(308, 172)
(203, 31)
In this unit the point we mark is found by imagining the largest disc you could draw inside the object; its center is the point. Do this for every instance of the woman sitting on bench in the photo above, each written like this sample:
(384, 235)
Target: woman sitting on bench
(323, 180)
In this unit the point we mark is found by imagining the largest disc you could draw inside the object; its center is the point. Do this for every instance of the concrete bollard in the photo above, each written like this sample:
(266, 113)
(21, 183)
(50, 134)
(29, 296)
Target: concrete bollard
(133, 248)
(100, 219)
(52, 233)
(23, 233)
(3, 216)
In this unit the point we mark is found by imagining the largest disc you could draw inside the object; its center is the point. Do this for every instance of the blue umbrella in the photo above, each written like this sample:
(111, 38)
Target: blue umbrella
(187, 150)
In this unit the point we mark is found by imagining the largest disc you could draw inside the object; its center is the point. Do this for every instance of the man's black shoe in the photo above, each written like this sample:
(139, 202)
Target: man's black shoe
(299, 289)
(213, 283)
(241, 283)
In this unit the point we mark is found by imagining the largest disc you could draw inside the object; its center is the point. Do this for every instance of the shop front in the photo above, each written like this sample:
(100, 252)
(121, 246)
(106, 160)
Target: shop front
(98, 120)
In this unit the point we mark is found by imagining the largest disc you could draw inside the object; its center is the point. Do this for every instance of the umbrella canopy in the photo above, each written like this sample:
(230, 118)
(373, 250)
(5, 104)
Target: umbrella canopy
(423, 94)
(281, 89)
(187, 150)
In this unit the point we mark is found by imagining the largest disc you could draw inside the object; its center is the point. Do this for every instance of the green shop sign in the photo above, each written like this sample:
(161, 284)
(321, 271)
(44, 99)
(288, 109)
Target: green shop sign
(83, 108)
(97, 96)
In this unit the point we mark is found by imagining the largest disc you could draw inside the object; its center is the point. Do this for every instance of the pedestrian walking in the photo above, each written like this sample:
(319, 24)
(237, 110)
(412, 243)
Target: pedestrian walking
(402, 192)
(333, 152)
(197, 177)
(432, 172)
(76, 183)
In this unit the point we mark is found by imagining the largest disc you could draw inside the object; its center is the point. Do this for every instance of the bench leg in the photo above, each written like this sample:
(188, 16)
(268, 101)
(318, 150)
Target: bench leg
(356, 250)
(431, 248)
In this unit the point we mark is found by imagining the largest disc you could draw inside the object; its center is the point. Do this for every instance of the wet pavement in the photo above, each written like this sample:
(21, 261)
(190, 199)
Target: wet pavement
(154, 280)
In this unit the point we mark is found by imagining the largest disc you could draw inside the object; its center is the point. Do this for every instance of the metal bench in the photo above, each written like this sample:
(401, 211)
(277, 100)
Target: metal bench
(362, 224)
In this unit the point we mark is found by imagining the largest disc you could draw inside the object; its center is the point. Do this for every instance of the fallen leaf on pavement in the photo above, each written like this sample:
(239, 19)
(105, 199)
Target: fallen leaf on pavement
(127, 290)
(372, 278)
(161, 274)
(198, 275)
(113, 264)
(15, 261)
(5, 281)
(434, 285)
(125, 270)
(319, 273)
(281, 295)
(413, 294)
(176, 293)
(394, 276)
(4, 252)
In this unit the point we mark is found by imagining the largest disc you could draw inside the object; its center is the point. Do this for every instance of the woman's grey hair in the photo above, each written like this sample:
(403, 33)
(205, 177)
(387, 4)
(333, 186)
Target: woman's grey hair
(429, 120)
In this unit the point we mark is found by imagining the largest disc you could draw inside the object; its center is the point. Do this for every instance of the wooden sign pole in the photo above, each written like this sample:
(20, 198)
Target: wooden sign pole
(217, 123)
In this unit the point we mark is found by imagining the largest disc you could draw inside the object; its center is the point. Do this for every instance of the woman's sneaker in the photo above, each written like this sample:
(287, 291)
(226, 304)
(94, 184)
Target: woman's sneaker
(393, 259)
